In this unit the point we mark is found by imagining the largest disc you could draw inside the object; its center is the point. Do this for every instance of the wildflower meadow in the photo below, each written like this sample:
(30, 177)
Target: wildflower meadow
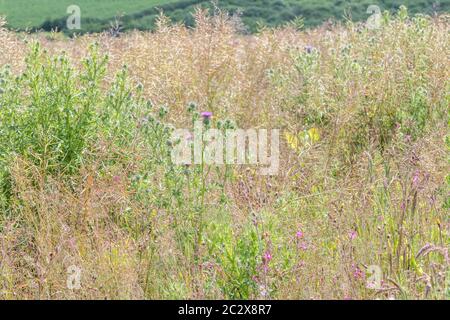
(207, 163)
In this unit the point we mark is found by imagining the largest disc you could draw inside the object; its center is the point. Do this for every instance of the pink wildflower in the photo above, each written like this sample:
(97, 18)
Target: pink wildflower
(267, 257)
(358, 274)
(303, 246)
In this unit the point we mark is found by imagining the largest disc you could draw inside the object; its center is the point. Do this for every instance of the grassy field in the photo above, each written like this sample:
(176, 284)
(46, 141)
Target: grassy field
(33, 13)
(93, 204)
(142, 14)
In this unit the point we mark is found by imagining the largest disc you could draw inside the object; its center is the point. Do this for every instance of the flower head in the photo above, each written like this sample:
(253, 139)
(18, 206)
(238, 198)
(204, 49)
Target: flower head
(299, 234)
(267, 257)
(309, 49)
(206, 115)
(352, 235)
(358, 274)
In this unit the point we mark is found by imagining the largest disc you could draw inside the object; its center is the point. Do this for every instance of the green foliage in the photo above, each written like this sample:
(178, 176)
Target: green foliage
(53, 122)
(54, 115)
(239, 256)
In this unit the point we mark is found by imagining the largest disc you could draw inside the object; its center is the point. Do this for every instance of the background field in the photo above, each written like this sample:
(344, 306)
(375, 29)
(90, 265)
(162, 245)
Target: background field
(32, 13)
(141, 14)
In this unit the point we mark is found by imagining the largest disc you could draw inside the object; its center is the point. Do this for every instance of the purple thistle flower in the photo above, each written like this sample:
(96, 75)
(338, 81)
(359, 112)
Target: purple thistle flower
(206, 115)
(309, 49)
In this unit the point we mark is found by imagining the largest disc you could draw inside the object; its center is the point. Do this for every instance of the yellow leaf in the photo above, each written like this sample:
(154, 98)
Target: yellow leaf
(314, 135)
(292, 140)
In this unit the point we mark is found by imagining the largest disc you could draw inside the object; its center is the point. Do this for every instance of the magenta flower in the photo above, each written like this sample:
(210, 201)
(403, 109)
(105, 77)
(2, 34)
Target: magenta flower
(206, 115)
(352, 235)
(299, 234)
(267, 257)
(358, 274)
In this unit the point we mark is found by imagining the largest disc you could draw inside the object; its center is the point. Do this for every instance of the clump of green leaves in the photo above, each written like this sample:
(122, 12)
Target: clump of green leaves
(238, 258)
(49, 111)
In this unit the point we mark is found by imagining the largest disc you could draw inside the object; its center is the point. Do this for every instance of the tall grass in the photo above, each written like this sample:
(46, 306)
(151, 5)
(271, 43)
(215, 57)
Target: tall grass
(87, 178)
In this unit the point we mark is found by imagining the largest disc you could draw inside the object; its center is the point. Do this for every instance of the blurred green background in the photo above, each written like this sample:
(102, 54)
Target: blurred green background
(141, 14)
